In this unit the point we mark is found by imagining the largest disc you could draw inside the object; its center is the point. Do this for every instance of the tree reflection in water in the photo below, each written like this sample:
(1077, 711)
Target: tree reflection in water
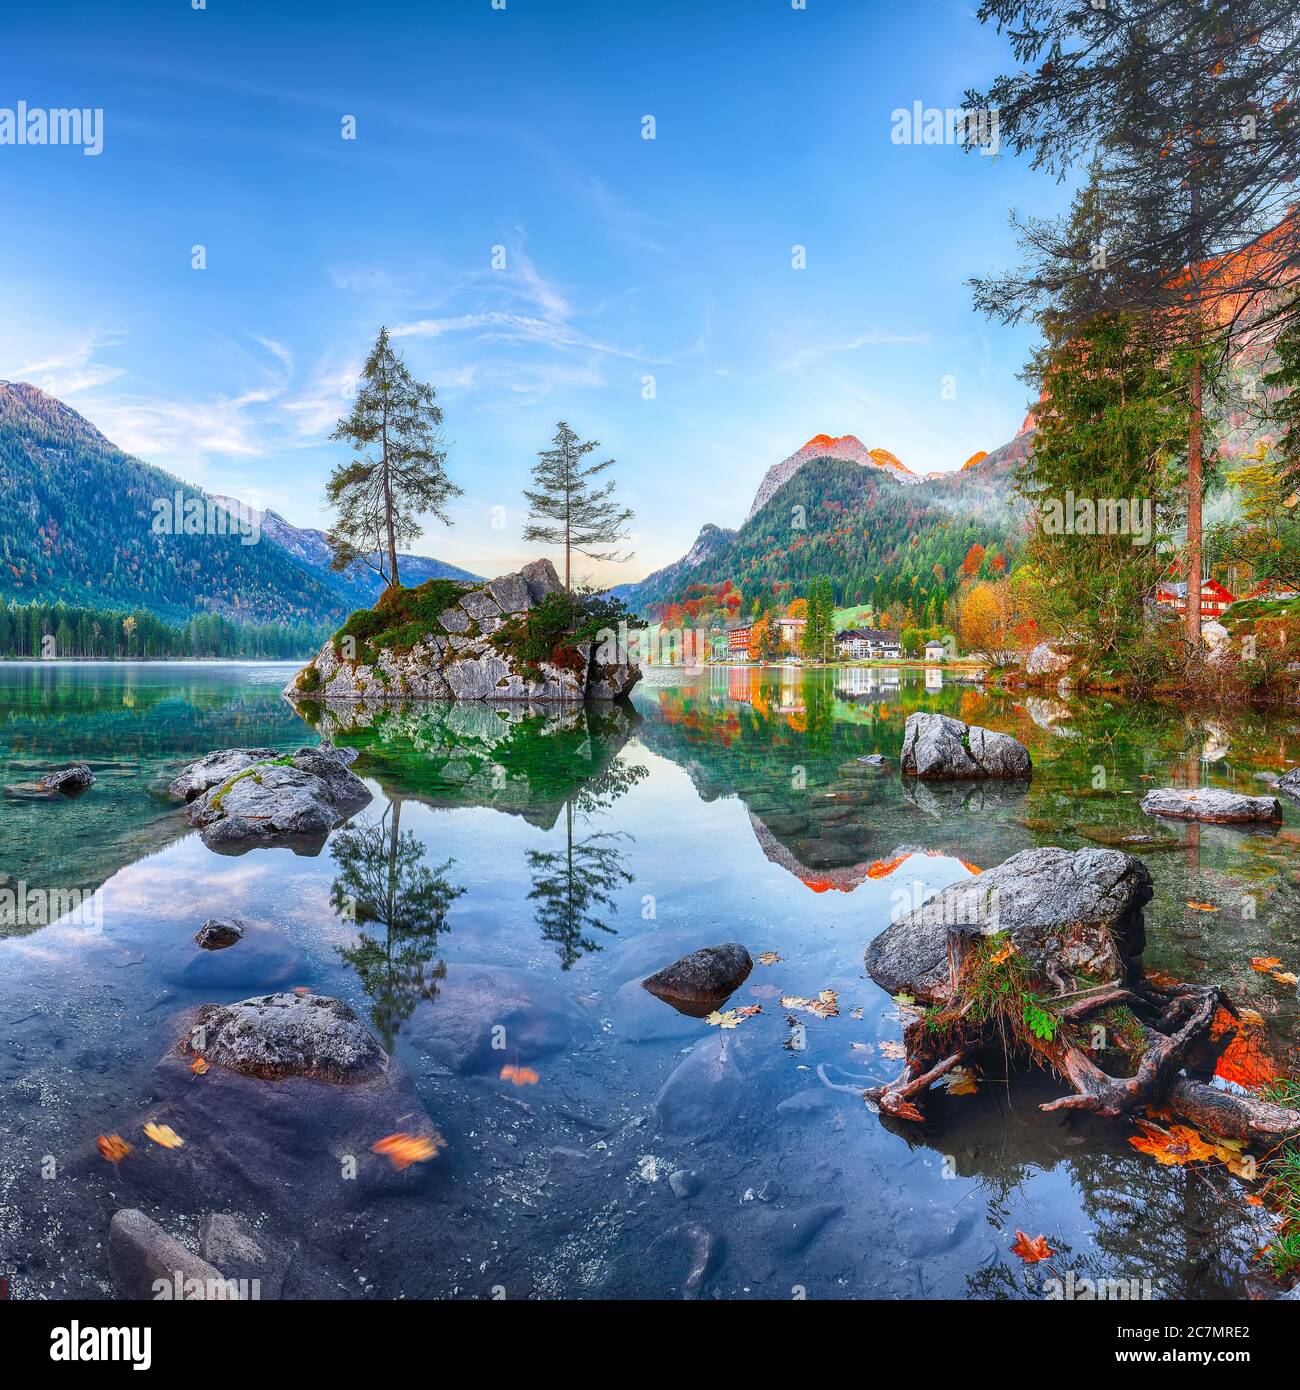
(574, 887)
(383, 881)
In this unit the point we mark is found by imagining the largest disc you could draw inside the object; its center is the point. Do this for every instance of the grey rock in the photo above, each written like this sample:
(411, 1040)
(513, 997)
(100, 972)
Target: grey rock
(938, 746)
(287, 1035)
(684, 1183)
(1068, 913)
(704, 977)
(1211, 804)
(224, 1241)
(1289, 784)
(296, 803)
(455, 620)
(705, 1250)
(479, 604)
(217, 933)
(140, 1253)
(71, 781)
(478, 678)
(511, 593)
(214, 768)
(541, 579)
(704, 1092)
(1043, 661)
(873, 760)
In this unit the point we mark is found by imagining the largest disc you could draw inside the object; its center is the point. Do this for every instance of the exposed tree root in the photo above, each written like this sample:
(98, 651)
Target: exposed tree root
(1175, 1024)
(1231, 1116)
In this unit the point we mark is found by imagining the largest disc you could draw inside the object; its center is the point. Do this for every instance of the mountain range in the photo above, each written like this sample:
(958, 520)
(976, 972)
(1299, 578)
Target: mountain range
(857, 514)
(77, 521)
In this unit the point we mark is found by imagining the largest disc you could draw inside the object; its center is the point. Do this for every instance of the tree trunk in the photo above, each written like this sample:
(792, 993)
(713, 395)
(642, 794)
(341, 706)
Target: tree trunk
(388, 515)
(1195, 445)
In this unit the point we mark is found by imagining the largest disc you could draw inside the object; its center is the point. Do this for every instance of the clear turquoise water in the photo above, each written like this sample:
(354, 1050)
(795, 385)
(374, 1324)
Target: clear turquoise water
(551, 862)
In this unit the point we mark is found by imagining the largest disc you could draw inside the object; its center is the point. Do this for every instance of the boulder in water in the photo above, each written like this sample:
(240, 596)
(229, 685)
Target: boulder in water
(940, 747)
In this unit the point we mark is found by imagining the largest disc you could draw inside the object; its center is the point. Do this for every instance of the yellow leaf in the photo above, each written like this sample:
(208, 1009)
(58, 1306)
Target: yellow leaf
(164, 1135)
(768, 958)
(960, 1081)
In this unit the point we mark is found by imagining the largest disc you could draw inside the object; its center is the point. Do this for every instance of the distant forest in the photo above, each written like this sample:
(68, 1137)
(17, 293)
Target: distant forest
(36, 630)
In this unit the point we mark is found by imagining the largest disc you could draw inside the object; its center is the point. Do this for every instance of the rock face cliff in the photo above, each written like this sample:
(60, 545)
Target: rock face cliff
(473, 649)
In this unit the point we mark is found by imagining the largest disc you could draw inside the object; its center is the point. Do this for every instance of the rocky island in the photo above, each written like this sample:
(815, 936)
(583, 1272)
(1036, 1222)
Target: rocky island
(520, 637)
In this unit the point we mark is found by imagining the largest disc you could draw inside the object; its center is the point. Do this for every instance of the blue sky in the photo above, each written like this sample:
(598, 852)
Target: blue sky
(518, 128)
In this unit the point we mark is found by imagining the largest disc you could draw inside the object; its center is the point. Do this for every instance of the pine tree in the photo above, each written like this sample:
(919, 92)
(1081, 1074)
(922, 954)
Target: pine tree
(566, 509)
(398, 473)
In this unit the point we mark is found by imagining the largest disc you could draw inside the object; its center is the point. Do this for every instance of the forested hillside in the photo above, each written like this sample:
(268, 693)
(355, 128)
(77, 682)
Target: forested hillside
(879, 542)
(76, 527)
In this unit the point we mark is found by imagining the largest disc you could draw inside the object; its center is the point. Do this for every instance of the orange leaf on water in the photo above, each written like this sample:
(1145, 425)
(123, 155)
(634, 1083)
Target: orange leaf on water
(1203, 907)
(519, 1076)
(1032, 1249)
(1178, 1144)
(112, 1147)
(402, 1150)
(1264, 964)
(198, 1066)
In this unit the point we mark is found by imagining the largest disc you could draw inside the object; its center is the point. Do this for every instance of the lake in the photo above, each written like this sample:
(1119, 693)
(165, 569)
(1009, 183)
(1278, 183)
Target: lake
(538, 865)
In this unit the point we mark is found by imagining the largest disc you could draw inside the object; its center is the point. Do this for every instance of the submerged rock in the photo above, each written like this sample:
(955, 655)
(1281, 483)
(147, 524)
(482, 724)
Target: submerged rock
(938, 746)
(1211, 804)
(287, 1035)
(296, 800)
(1068, 913)
(266, 960)
(141, 1254)
(217, 933)
(478, 1008)
(702, 979)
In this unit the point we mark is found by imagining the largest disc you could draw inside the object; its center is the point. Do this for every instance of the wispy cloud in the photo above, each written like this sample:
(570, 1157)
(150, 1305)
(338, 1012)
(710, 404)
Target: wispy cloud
(875, 338)
(67, 370)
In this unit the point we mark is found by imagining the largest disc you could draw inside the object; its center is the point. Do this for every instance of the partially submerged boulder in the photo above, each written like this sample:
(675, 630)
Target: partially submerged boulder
(70, 781)
(1211, 804)
(287, 1035)
(460, 651)
(1289, 784)
(214, 768)
(217, 933)
(294, 800)
(1069, 913)
(66, 781)
(943, 748)
(700, 981)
